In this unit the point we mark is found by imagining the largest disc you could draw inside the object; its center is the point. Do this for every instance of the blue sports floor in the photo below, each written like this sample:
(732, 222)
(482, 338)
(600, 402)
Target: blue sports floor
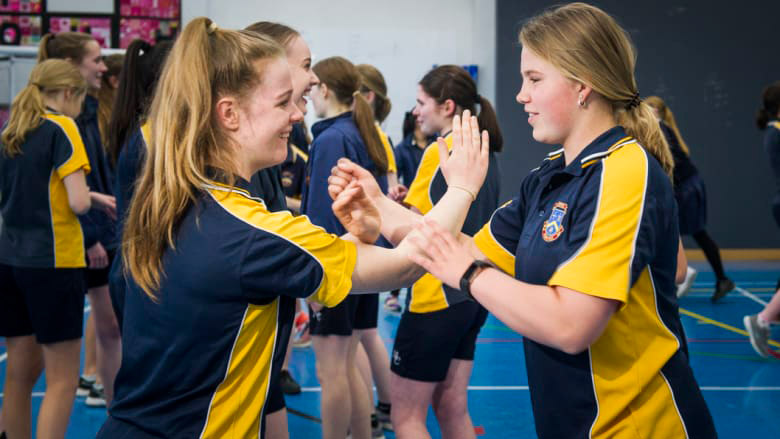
(742, 389)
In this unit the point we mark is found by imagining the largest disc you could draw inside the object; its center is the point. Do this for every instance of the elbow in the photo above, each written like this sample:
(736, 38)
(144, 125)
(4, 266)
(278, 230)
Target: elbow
(574, 341)
(81, 206)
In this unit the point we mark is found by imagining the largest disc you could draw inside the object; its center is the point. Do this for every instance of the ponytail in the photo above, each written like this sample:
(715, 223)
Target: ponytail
(343, 79)
(27, 109)
(454, 83)
(372, 80)
(666, 115)
(640, 122)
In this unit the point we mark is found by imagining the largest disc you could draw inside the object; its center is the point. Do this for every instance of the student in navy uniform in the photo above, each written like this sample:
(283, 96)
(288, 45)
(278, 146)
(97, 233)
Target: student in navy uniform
(294, 168)
(691, 197)
(433, 353)
(586, 253)
(213, 273)
(99, 228)
(347, 131)
(128, 136)
(768, 120)
(409, 151)
(42, 167)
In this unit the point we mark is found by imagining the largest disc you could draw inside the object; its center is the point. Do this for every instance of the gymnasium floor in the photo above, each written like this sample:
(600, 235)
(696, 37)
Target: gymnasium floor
(742, 389)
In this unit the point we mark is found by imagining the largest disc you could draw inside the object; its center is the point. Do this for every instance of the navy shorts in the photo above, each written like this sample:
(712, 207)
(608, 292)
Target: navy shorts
(691, 204)
(425, 343)
(98, 277)
(357, 311)
(46, 302)
(275, 400)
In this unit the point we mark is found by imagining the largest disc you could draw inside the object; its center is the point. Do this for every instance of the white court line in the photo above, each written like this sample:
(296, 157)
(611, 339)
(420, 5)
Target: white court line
(750, 295)
(5, 354)
(511, 388)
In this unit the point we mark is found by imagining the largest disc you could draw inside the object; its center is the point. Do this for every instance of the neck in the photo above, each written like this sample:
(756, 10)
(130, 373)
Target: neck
(421, 140)
(446, 128)
(54, 104)
(585, 131)
(336, 108)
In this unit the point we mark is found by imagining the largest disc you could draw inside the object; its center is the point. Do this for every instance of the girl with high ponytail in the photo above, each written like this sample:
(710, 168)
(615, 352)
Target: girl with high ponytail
(582, 261)
(211, 273)
(42, 180)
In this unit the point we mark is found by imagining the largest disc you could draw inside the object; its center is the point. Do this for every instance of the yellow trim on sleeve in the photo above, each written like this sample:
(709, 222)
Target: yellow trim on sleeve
(499, 255)
(391, 166)
(602, 266)
(236, 407)
(78, 159)
(419, 194)
(146, 133)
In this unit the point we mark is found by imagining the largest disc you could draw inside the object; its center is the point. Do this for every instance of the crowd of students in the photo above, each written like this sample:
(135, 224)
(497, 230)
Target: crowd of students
(180, 191)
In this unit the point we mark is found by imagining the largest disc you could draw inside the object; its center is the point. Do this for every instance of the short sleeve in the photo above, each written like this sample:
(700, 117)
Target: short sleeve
(289, 256)
(605, 230)
(325, 153)
(498, 239)
(68, 152)
(391, 164)
(419, 192)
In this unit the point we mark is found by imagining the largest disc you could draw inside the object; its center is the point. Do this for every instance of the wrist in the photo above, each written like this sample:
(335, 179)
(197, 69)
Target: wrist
(471, 273)
(464, 190)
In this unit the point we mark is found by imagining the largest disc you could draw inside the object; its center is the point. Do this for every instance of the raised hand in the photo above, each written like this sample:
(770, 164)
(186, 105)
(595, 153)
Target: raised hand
(357, 212)
(466, 166)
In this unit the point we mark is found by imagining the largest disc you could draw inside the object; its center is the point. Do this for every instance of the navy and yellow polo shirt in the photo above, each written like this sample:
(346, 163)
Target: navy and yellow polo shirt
(605, 225)
(428, 294)
(199, 361)
(294, 171)
(39, 227)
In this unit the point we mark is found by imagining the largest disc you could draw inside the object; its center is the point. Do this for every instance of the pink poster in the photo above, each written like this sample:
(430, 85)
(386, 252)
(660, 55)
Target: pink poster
(100, 28)
(150, 8)
(24, 30)
(26, 6)
(147, 29)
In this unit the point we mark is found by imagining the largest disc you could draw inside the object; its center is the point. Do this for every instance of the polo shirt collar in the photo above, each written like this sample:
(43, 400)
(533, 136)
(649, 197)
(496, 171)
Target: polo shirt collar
(597, 149)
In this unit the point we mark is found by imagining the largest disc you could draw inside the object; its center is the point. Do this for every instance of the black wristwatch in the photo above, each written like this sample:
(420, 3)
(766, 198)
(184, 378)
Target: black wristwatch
(474, 269)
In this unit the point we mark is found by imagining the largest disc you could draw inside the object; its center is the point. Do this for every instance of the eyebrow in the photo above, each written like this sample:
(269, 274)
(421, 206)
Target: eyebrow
(529, 72)
(284, 96)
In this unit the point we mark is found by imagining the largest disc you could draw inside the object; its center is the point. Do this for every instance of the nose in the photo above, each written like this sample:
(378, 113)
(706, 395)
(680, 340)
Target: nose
(522, 97)
(297, 115)
(313, 78)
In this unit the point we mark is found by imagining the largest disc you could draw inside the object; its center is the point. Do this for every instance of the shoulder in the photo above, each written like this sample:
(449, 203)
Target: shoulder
(61, 124)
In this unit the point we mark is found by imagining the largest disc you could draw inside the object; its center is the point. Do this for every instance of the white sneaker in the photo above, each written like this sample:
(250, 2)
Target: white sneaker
(685, 286)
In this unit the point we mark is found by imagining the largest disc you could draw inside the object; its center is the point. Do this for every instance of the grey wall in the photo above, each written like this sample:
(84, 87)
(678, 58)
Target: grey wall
(709, 60)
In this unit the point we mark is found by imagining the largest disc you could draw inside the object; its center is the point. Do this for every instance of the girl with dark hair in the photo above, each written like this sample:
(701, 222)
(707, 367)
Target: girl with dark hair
(691, 196)
(768, 120)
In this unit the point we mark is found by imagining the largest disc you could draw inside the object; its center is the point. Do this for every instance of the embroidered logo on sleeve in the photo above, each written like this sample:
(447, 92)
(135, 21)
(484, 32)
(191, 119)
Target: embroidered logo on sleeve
(553, 227)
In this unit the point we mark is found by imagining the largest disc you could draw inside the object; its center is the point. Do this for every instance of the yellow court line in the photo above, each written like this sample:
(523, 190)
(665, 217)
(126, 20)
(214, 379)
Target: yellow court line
(720, 324)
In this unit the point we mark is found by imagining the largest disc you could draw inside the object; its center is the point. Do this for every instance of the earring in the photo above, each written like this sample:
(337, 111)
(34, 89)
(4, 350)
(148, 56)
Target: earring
(581, 102)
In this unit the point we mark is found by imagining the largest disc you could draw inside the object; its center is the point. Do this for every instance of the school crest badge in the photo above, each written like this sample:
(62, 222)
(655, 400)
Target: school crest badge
(553, 227)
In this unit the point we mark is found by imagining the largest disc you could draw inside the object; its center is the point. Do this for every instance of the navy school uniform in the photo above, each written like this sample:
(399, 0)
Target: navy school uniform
(41, 241)
(199, 361)
(772, 148)
(689, 189)
(294, 171)
(440, 323)
(408, 155)
(605, 226)
(335, 138)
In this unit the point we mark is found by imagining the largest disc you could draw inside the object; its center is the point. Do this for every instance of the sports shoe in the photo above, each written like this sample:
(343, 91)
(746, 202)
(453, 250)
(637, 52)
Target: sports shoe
(288, 384)
(685, 286)
(722, 287)
(759, 335)
(376, 428)
(85, 385)
(391, 304)
(301, 336)
(96, 397)
(384, 419)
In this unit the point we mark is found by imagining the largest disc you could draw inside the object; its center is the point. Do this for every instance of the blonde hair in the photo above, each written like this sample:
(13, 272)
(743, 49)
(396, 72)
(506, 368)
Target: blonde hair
(106, 95)
(666, 115)
(587, 45)
(46, 79)
(72, 45)
(204, 64)
(343, 80)
(373, 80)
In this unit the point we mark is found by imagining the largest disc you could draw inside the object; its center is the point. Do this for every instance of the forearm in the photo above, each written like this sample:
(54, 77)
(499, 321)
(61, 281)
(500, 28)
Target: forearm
(293, 204)
(554, 316)
(450, 212)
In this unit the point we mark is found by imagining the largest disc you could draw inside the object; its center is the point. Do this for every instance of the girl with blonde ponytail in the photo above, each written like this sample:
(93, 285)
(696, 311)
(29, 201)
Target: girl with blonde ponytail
(582, 262)
(212, 274)
(42, 178)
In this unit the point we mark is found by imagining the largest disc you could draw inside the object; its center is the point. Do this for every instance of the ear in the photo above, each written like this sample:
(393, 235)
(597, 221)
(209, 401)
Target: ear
(324, 90)
(584, 91)
(449, 106)
(370, 96)
(227, 112)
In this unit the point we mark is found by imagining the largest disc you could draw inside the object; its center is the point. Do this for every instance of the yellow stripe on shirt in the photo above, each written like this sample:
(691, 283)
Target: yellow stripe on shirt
(602, 266)
(419, 194)
(496, 253)
(235, 408)
(335, 256)
(67, 235)
(391, 166)
(78, 159)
